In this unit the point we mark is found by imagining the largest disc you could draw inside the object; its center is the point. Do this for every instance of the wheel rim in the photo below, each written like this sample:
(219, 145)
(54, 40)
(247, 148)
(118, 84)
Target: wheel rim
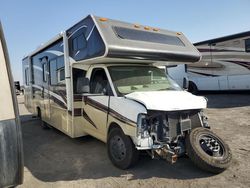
(211, 145)
(117, 147)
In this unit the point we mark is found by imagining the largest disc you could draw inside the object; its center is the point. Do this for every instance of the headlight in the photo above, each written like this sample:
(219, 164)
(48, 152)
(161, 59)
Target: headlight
(142, 126)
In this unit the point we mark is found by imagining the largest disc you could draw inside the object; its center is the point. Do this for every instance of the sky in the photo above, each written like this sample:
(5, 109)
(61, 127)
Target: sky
(29, 23)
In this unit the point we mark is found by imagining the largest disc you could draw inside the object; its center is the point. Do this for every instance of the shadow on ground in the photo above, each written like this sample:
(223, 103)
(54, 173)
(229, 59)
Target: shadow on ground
(227, 99)
(52, 156)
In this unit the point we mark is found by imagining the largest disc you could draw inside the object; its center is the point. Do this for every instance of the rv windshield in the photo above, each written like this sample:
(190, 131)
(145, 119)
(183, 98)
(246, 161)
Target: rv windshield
(128, 79)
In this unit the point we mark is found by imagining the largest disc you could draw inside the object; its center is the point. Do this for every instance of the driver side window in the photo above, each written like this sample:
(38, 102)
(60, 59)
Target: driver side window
(99, 83)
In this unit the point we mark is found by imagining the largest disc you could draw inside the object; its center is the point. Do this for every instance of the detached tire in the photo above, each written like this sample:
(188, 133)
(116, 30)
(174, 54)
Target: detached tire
(121, 149)
(208, 151)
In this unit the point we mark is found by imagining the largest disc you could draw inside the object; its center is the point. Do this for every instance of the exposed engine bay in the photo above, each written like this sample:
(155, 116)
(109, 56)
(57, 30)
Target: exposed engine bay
(164, 132)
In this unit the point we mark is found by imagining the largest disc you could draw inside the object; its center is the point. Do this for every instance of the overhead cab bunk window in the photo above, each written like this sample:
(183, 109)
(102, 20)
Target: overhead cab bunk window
(146, 36)
(247, 45)
(79, 43)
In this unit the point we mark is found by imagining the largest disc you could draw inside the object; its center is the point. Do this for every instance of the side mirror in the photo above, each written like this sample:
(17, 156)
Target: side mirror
(185, 83)
(82, 85)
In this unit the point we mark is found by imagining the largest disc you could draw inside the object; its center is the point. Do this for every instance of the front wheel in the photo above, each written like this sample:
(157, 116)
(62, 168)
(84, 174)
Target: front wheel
(121, 150)
(207, 150)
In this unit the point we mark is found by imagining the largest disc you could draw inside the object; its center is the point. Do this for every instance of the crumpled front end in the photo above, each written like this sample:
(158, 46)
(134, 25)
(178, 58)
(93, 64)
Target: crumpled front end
(164, 132)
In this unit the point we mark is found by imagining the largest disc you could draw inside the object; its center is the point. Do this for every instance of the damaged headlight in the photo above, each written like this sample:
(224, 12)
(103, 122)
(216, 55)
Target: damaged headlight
(142, 126)
(204, 120)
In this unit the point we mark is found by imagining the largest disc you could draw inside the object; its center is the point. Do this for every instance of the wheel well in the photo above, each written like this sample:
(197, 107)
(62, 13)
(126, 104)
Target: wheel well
(192, 83)
(38, 111)
(192, 87)
(112, 126)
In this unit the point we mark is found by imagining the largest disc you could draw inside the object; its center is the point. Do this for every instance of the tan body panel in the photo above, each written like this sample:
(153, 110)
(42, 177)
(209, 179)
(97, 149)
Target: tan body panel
(77, 126)
(6, 110)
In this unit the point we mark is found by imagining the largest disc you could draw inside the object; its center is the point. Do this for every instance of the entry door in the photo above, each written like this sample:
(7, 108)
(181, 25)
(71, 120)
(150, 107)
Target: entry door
(28, 94)
(95, 106)
(46, 90)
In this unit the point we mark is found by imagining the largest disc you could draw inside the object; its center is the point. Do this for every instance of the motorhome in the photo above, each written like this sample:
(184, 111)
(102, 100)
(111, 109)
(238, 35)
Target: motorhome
(225, 64)
(11, 151)
(100, 78)
(178, 73)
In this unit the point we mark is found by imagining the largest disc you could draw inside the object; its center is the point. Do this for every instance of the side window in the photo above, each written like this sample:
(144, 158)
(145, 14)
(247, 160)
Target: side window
(57, 73)
(79, 43)
(60, 69)
(247, 45)
(77, 73)
(45, 72)
(53, 76)
(99, 82)
(61, 74)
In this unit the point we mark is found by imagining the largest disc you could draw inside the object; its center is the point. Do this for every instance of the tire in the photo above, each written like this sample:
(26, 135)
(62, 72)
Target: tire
(43, 124)
(121, 149)
(198, 145)
(192, 88)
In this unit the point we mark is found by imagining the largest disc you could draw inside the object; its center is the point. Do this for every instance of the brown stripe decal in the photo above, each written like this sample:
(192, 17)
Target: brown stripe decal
(77, 112)
(121, 118)
(112, 112)
(58, 102)
(81, 112)
(217, 50)
(241, 63)
(104, 109)
(85, 115)
(77, 97)
(96, 105)
(203, 74)
(61, 93)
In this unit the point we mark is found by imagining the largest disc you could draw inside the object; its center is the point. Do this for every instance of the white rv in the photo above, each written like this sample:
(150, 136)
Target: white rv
(225, 64)
(100, 78)
(11, 147)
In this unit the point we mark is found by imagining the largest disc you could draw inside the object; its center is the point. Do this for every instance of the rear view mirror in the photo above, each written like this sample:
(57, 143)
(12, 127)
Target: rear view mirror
(82, 85)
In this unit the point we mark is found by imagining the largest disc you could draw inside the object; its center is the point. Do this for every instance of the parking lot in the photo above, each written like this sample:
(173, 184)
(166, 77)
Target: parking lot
(52, 159)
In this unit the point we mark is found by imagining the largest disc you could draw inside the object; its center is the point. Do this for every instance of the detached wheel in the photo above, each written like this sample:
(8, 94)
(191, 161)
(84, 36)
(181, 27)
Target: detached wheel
(121, 149)
(208, 151)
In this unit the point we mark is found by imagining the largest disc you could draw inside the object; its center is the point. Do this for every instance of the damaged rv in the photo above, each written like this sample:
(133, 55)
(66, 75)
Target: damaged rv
(100, 78)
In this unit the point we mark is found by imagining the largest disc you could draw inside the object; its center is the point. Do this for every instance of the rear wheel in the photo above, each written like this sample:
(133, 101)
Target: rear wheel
(121, 149)
(207, 150)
